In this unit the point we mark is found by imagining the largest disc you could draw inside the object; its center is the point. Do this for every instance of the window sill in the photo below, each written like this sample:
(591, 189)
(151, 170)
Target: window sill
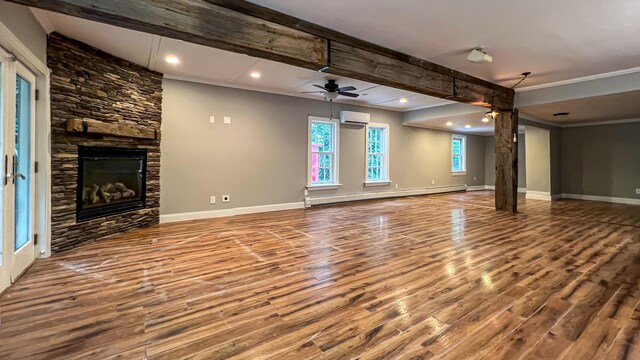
(377, 183)
(323, 187)
(458, 173)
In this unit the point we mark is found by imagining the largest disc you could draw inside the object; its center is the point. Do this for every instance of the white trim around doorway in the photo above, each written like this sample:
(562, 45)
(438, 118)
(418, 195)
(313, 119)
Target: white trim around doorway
(21, 52)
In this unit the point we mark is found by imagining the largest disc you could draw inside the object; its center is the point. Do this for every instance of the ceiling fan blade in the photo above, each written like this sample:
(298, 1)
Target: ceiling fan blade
(321, 87)
(313, 92)
(348, 94)
(347, 88)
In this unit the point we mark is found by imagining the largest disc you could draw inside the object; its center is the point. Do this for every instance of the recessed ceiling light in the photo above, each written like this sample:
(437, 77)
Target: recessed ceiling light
(467, 126)
(255, 75)
(449, 123)
(403, 100)
(172, 59)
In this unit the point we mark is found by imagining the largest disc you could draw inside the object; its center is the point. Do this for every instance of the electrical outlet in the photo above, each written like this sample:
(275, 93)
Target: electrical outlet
(433, 182)
(474, 178)
(226, 198)
(212, 119)
(637, 191)
(396, 186)
(213, 200)
(227, 120)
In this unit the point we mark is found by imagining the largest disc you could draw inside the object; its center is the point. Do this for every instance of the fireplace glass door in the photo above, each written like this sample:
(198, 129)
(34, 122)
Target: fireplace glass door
(110, 181)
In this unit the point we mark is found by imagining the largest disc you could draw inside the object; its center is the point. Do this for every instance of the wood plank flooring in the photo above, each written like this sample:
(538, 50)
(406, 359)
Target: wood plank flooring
(436, 277)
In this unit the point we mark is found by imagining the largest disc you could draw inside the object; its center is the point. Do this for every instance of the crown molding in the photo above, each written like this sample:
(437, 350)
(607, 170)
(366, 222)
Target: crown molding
(584, 124)
(600, 123)
(580, 79)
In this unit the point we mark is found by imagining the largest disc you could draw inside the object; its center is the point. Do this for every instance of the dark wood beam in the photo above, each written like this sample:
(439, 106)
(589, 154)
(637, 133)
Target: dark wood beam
(466, 85)
(243, 27)
(200, 22)
(506, 130)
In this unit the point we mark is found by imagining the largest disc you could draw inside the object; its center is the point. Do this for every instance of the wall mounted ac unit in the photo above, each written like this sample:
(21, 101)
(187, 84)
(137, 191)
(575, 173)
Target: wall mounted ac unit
(354, 118)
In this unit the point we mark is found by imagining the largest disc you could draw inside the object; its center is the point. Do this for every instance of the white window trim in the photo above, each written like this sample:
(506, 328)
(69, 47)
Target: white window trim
(387, 166)
(464, 154)
(336, 159)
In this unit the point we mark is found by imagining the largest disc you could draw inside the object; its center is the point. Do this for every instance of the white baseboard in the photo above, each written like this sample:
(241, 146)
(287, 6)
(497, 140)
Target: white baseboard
(321, 200)
(477, 188)
(608, 199)
(198, 215)
(538, 195)
(492, 187)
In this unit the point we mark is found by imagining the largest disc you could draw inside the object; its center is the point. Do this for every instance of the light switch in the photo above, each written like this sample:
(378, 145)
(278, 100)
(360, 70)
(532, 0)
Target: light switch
(227, 120)
(212, 119)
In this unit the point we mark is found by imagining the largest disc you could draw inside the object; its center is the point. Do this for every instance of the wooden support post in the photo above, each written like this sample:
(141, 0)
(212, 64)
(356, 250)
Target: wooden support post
(506, 134)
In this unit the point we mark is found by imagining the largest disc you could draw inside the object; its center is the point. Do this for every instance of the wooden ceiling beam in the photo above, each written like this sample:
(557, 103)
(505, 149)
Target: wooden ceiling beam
(243, 27)
(468, 89)
(199, 22)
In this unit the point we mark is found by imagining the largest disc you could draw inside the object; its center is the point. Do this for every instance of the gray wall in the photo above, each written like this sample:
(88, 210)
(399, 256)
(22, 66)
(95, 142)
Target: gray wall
(261, 158)
(555, 143)
(490, 161)
(601, 160)
(23, 25)
(538, 155)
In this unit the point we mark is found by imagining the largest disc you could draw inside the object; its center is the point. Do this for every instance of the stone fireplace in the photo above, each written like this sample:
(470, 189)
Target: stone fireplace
(105, 144)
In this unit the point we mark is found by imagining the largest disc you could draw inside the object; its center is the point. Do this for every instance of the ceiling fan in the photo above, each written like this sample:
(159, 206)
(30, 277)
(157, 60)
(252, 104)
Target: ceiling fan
(331, 90)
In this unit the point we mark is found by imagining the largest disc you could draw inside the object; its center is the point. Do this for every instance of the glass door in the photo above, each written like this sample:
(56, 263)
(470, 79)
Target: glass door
(23, 171)
(18, 125)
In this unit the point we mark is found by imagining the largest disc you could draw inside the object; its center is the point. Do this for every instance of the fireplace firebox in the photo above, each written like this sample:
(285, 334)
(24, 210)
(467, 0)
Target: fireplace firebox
(110, 181)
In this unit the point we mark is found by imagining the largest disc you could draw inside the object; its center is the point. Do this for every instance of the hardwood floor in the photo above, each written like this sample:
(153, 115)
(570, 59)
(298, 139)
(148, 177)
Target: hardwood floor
(442, 277)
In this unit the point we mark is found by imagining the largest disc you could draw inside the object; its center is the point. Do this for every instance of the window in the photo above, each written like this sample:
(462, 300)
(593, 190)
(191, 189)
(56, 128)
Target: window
(377, 154)
(323, 152)
(458, 154)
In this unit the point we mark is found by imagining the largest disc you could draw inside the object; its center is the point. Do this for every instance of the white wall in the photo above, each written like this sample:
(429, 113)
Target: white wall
(25, 27)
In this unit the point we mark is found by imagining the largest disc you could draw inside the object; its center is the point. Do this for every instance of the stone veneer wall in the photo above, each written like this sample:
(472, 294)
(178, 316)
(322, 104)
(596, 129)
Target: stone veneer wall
(91, 84)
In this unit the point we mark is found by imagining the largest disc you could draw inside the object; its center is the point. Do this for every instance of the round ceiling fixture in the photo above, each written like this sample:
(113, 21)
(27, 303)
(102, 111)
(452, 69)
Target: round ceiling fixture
(172, 59)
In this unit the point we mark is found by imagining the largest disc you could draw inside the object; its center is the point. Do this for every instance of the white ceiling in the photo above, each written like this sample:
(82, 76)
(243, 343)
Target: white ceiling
(214, 66)
(556, 40)
(613, 107)
(458, 123)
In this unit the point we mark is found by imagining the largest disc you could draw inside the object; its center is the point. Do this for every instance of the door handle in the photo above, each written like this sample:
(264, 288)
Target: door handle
(6, 169)
(15, 175)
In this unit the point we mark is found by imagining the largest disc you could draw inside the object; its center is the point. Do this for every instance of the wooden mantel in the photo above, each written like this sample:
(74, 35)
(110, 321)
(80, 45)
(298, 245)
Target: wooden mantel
(95, 127)
(242, 27)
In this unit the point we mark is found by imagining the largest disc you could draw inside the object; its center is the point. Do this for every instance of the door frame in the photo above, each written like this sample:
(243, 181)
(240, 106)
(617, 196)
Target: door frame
(42, 219)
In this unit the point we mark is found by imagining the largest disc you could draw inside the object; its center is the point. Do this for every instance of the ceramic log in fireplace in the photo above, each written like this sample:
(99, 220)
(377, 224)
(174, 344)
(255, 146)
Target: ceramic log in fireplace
(110, 181)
